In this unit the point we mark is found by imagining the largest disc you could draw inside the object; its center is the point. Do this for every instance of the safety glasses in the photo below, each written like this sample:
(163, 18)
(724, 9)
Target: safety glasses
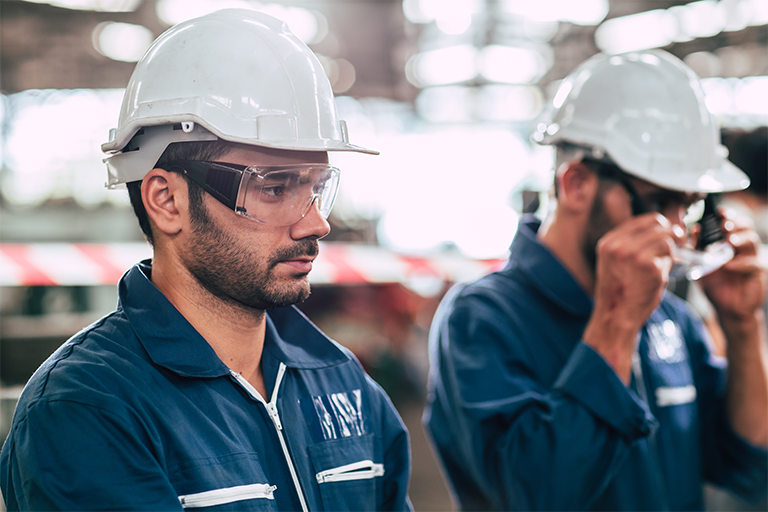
(712, 250)
(275, 195)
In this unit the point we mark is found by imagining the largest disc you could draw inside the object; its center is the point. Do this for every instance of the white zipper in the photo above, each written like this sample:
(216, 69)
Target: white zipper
(228, 495)
(272, 411)
(363, 470)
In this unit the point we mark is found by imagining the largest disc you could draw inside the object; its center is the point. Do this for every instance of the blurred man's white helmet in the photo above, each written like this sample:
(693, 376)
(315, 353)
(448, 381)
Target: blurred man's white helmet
(237, 75)
(645, 112)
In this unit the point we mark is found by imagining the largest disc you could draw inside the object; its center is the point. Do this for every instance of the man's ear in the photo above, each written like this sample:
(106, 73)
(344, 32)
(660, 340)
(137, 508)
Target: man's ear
(577, 186)
(165, 196)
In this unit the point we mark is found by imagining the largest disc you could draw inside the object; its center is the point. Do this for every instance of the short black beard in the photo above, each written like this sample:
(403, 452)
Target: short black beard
(598, 225)
(224, 267)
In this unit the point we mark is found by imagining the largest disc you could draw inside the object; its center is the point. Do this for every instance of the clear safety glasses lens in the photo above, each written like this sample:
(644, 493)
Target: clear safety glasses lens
(281, 196)
(711, 251)
(277, 195)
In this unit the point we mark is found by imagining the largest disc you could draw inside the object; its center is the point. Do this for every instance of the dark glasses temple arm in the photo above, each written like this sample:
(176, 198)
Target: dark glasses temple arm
(222, 183)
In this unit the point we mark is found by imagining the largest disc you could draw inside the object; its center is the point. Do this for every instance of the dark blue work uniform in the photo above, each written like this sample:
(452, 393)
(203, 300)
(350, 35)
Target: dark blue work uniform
(137, 412)
(525, 416)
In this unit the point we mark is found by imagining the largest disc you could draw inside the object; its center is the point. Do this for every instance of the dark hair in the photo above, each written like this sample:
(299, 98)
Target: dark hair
(748, 150)
(198, 151)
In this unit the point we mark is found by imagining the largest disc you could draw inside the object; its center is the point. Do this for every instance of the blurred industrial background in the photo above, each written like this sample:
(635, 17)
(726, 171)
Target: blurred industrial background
(447, 90)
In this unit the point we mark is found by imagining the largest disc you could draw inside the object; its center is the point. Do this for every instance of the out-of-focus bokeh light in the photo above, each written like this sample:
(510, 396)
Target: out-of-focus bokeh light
(659, 27)
(121, 41)
(52, 146)
(509, 102)
(649, 29)
(751, 95)
(308, 25)
(431, 187)
(449, 65)
(511, 65)
(93, 5)
(584, 12)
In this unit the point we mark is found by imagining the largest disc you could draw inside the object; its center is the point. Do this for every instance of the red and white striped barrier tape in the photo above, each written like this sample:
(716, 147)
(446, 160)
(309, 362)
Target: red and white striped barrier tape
(57, 264)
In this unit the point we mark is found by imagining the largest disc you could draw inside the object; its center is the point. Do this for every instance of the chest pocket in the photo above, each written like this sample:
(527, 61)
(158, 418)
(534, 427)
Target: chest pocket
(348, 472)
(234, 482)
(667, 353)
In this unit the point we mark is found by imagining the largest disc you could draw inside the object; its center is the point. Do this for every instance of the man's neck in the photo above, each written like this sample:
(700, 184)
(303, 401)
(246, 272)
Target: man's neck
(564, 240)
(236, 333)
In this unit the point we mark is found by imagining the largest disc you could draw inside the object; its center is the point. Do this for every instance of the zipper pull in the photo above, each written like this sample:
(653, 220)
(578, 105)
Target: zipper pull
(272, 410)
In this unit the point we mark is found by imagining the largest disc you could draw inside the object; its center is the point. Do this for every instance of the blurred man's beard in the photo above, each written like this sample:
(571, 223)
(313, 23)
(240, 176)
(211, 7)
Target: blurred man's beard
(599, 225)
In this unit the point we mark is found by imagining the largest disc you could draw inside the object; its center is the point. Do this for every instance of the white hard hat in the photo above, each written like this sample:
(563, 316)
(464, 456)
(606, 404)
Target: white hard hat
(645, 112)
(237, 75)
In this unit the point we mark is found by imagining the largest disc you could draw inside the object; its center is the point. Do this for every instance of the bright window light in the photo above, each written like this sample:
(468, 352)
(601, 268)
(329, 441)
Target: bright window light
(509, 102)
(449, 186)
(507, 64)
(121, 41)
(441, 67)
(650, 29)
(93, 5)
(70, 166)
(448, 104)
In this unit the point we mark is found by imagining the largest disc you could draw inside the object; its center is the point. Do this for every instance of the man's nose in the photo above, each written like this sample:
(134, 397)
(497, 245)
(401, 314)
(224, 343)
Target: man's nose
(312, 225)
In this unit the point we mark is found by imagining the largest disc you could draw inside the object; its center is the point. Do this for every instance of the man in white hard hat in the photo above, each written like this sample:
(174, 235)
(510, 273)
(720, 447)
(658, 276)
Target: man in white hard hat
(570, 380)
(207, 387)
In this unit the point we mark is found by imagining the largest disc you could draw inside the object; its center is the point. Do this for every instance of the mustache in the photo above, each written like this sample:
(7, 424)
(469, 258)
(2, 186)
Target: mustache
(303, 248)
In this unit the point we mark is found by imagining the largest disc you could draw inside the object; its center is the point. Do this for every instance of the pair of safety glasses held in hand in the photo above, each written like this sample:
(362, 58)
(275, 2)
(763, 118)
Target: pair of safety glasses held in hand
(711, 252)
(272, 195)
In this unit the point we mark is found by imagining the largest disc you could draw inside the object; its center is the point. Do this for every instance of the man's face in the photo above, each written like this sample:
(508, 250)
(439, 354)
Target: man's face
(248, 263)
(612, 206)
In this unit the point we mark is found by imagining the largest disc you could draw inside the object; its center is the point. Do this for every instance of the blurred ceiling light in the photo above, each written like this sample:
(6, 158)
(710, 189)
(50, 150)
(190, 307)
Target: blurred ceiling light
(759, 10)
(679, 23)
(309, 26)
(511, 65)
(446, 12)
(584, 12)
(450, 104)
(455, 16)
(540, 31)
(442, 67)
(121, 41)
(509, 102)
(751, 95)
(737, 14)
(93, 5)
(718, 95)
(702, 19)
(650, 29)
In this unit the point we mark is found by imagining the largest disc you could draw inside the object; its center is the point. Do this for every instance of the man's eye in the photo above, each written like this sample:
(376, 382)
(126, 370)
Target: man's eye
(273, 190)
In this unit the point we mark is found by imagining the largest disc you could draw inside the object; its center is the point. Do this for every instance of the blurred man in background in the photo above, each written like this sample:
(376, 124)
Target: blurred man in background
(191, 394)
(571, 379)
(748, 149)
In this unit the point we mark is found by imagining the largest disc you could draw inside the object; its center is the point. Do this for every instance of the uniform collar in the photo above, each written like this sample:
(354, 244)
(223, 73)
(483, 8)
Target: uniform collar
(172, 342)
(545, 271)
